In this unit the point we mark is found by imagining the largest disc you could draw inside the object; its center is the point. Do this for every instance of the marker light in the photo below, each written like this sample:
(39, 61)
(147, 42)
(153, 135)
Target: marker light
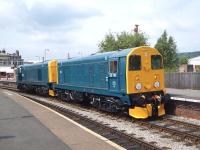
(157, 84)
(138, 86)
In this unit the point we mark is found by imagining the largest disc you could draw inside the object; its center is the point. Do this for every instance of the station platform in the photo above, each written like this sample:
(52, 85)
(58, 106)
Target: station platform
(25, 124)
(184, 94)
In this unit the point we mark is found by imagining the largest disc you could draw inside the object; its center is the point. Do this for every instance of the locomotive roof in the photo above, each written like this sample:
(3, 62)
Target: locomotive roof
(100, 56)
(36, 64)
(97, 56)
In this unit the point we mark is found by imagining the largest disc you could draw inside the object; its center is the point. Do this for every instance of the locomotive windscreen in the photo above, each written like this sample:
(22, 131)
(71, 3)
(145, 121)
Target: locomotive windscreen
(156, 62)
(135, 62)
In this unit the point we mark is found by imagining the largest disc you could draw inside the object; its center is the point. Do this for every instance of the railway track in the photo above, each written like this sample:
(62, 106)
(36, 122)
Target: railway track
(119, 137)
(182, 130)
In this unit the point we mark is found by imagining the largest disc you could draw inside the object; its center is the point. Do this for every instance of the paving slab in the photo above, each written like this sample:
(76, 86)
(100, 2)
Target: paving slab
(20, 130)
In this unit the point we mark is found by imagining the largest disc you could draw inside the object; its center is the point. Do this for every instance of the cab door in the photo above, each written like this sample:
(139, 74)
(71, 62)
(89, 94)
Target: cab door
(113, 75)
(19, 74)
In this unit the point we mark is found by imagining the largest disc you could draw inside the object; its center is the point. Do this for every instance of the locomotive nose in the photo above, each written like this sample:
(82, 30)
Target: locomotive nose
(148, 107)
(145, 76)
(147, 86)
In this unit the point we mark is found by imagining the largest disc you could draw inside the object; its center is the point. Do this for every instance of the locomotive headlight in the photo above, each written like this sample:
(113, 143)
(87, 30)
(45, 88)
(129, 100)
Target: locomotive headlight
(157, 84)
(138, 86)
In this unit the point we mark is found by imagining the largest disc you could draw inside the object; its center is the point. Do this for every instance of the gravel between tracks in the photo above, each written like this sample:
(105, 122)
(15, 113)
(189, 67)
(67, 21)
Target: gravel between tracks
(149, 135)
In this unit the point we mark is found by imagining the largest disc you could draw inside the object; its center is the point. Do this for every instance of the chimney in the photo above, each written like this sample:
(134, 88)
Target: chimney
(136, 28)
(4, 51)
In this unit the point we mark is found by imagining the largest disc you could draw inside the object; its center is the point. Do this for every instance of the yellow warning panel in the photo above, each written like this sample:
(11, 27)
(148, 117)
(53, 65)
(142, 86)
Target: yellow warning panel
(53, 71)
(149, 79)
(145, 112)
(161, 110)
(51, 93)
(139, 112)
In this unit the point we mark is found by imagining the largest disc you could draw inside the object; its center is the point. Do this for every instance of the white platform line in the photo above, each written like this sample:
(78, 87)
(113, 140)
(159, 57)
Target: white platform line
(8, 93)
(185, 99)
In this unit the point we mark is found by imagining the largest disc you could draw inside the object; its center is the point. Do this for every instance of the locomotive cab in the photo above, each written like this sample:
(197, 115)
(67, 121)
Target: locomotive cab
(145, 82)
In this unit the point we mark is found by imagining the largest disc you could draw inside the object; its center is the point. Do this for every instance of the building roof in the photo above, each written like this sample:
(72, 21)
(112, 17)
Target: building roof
(194, 61)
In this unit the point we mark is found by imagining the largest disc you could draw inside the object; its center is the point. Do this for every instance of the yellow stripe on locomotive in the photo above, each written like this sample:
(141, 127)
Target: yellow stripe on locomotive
(52, 75)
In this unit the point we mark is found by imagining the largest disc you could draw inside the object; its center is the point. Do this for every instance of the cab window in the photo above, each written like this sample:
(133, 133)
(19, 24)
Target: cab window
(135, 62)
(113, 66)
(20, 70)
(156, 62)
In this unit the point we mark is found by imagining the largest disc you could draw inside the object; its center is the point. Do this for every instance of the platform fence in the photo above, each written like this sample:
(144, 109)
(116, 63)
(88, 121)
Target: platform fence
(189, 80)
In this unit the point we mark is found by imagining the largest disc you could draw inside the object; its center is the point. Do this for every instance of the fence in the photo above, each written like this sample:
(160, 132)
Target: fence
(189, 80)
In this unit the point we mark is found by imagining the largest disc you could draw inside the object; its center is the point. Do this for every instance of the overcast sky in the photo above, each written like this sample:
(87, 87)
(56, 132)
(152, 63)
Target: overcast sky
(77, 26)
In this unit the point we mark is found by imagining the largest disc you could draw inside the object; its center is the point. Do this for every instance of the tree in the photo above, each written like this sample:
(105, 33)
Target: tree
(167, 47)
(183, 60)
(122, 40)
(109, 43)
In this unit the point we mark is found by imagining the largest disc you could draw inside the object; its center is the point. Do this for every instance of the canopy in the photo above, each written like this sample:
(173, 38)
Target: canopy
(6, 69)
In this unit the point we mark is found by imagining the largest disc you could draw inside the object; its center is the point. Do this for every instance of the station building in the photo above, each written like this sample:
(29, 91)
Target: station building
(11, 60)
(196, 63)
(8, 63)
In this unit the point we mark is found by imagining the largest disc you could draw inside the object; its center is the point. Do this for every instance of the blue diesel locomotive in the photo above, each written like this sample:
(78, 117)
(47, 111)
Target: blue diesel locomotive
(130, 80)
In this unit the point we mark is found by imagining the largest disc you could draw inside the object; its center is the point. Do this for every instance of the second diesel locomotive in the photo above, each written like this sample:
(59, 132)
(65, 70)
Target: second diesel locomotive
(130, 80)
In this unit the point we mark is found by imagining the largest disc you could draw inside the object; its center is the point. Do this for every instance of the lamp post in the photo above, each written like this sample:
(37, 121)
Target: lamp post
(45, 54)
(68, 55)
